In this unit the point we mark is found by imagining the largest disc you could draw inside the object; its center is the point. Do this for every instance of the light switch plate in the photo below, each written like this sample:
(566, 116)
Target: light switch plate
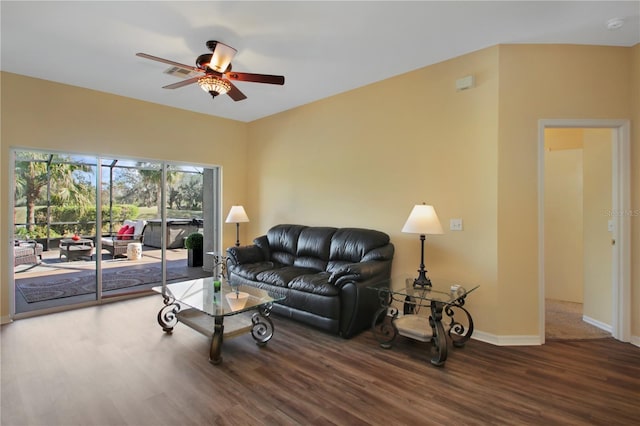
(455, 224)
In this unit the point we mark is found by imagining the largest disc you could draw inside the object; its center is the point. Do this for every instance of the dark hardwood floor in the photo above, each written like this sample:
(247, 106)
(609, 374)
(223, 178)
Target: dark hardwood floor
(113, 365)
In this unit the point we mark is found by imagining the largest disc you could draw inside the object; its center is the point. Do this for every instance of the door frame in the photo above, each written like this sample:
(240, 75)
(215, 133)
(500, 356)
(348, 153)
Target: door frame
(621, 203)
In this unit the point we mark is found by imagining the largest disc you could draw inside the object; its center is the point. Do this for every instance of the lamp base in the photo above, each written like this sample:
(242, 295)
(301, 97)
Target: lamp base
(422, 280)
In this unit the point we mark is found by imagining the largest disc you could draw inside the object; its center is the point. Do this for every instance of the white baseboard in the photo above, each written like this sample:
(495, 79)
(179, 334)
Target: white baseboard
(596, 323)
(506, 340)
(524, 340)
(5, 319)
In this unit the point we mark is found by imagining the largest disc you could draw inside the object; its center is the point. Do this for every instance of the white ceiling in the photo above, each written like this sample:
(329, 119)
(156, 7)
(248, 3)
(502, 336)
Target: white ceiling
(322, 48)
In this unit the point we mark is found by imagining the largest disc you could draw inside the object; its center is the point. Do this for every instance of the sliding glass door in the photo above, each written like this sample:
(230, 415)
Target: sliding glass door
(54, 228)
(106, 227)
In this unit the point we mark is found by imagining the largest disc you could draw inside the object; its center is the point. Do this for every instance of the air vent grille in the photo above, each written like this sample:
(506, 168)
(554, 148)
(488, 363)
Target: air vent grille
(180, 72)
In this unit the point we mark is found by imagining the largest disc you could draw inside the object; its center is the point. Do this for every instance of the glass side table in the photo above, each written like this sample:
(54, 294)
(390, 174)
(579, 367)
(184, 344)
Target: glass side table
(388, 323)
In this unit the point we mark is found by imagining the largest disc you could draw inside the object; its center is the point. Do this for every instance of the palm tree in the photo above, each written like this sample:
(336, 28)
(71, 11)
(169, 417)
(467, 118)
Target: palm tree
(38, 171)
(31, 178)
(153, 176)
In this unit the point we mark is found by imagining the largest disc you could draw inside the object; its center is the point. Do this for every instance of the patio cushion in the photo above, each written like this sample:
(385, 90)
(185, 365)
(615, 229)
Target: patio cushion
(137, 225)
(128, 234)
(130, 230)
(23, 251)
(27, 252)
(121, 232)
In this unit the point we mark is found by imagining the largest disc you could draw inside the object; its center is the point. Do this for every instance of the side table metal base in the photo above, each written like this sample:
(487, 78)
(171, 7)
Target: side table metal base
(387, 324)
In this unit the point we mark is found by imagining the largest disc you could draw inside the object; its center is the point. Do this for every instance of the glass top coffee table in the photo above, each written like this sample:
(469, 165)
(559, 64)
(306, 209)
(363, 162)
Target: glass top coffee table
(217, 311)
(388, 322)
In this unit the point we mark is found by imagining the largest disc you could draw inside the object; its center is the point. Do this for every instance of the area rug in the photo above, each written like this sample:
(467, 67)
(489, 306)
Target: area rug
(79, 283)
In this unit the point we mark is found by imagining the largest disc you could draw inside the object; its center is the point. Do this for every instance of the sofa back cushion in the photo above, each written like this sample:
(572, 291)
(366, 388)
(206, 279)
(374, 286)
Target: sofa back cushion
(283, 243)
(351, 245)
(314, 244)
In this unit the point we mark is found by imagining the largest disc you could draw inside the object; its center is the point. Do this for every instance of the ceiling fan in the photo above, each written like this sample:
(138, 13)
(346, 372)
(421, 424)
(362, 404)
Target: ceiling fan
(215, 72)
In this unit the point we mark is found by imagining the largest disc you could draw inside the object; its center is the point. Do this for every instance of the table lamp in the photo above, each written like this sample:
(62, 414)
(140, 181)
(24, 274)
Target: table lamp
(237, 215)
(424, 221)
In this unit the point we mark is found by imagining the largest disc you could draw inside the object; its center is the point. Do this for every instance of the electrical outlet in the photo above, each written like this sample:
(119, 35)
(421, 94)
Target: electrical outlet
(455, 224)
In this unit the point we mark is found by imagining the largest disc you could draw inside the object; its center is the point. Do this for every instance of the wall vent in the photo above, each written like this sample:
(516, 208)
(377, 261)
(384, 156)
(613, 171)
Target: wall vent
(181, 72)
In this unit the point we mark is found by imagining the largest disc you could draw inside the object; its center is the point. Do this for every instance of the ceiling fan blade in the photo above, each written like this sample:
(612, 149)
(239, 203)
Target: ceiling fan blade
(235, 93)
(222, 56)
(255, 78)
(182, 83)
(167, 61)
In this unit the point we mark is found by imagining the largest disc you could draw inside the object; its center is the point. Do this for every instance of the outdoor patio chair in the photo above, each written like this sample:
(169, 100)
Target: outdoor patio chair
(26, 252)
(117, 244)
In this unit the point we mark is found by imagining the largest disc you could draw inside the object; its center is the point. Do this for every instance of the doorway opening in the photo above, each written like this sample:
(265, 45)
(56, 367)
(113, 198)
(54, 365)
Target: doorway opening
(585, 241)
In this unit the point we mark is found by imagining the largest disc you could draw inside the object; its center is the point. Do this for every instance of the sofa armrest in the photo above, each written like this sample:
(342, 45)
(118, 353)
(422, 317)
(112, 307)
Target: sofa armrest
(361, 271)
(245, 254)
(359, 301)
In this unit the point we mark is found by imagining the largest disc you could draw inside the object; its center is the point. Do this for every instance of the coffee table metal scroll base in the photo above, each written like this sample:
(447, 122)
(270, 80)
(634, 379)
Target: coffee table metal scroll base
(260, 325)
(168, 315)
(261, 329)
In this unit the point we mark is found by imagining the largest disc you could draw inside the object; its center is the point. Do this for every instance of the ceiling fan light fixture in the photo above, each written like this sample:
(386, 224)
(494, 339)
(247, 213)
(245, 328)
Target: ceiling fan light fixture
(214, 85)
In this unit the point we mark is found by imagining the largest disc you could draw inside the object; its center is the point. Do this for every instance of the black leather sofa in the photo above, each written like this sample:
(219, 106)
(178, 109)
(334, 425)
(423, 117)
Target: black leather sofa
(323, 272)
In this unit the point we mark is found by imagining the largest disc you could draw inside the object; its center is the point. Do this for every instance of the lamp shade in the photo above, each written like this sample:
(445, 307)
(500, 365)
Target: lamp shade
(423, 220)
(237, 215)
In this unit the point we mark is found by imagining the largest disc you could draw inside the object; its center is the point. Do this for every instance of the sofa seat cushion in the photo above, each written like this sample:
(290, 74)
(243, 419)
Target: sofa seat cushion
(250, 271)
(316, 304)
(281, 276)
(314, 283)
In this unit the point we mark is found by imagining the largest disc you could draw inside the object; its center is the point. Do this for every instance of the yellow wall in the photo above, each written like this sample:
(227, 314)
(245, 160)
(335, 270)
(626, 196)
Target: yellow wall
(543, 82)
(560, 138)
(365, 157)
(563, 237)
(578, 195)
(38, 114)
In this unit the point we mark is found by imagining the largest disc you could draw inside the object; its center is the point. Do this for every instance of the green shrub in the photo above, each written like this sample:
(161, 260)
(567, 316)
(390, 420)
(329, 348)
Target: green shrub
(80, 220)
(194, 241)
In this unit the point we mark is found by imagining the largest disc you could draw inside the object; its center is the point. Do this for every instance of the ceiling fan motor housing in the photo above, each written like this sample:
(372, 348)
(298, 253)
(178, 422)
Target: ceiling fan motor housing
(211, 45)
(204, 60)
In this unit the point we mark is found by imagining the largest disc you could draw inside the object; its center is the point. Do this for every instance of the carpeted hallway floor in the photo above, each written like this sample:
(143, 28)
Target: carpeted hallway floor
(563, 320)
